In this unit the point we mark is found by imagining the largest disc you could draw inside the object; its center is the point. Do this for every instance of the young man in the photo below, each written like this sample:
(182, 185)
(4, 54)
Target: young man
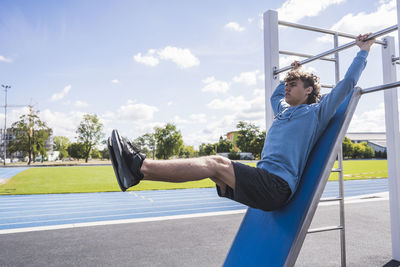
(300, 118)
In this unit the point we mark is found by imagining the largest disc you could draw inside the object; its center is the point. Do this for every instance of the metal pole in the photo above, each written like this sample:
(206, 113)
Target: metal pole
(271, 61)
(392, 144)
(340, 48)
(283, 52)
(6, 87)
(340, 167)
(380, 87)
(316, 29)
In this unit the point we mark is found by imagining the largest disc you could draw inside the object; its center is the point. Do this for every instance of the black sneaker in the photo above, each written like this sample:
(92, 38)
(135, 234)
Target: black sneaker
(128, 161)
(114, 163)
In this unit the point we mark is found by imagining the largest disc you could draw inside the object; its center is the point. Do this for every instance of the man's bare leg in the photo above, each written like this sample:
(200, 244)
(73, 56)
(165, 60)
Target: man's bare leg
(217, 168)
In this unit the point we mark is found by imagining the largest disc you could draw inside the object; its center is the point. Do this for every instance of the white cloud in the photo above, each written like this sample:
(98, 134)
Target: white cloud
(133, 112)
(249, 78)
(81, 104)
(230, 103)
(4, 59)
(178, 120)
(215, 86)
(370, 121)
(234, 26)
(13, 115)
(62, 94)
(295, 10)
(63, 124)
(180, 56)
(198, 118)
(383, 17)
(219, 127)
(250, 20)
(115, 81)
(170, 103)
(251, 110)
(146, 60)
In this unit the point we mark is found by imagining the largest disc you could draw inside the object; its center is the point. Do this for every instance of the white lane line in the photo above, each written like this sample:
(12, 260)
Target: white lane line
(115, 202)
(129, 214)
(102, 211)
(360, 199)
(79, 196)
(139, 220)
(97, 197)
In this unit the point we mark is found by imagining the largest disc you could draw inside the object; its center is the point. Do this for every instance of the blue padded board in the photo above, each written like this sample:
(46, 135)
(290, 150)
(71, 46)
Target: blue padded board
(266, 238)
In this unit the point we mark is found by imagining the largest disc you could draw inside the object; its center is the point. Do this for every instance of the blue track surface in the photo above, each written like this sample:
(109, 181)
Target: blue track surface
(21, 211)
(6, 173)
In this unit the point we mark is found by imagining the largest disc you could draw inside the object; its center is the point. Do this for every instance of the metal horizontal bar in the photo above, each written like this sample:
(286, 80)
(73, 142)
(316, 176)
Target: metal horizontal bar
(324, 229)
(304, 55)
(340, 48)
(336, 170)
(316, 29)
(327, 85)
(329, 199)
(380, 87)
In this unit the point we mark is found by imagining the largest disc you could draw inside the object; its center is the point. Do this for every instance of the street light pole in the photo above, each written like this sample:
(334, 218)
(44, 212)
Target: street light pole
(6, 87)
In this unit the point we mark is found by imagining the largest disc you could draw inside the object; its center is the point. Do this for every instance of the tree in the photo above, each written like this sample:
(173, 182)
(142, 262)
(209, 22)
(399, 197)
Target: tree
(42, 136)
(77, 150)
(368, 152)
(250, 138)
(188, 152)
(146, 144)
(206, 149)
(60, 144)
(30, 136)
(169, 141)
(358, 151)
(347, 146)
(233, 155)
(89, 133)
(104, 153)
(95, 153)
(224, 145)
(257, 144)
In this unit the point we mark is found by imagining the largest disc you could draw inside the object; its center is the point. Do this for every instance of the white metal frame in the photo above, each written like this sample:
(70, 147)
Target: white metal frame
(272, 70)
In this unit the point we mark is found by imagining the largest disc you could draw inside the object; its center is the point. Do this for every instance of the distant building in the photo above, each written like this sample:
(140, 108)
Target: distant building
(377, 141)
(232, 136)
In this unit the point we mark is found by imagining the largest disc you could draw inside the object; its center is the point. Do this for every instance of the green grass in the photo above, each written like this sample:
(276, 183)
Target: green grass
(52, 180)
(101, 179)
(359, 169)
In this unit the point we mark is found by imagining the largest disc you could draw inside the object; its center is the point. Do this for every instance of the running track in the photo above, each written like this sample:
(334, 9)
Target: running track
(21, 212)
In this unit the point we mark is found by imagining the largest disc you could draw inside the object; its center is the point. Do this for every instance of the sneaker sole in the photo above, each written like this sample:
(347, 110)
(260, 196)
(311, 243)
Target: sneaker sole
(114, 164)
(123, 170)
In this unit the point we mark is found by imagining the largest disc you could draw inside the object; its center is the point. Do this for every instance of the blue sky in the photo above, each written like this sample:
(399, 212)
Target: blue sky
(198, 64)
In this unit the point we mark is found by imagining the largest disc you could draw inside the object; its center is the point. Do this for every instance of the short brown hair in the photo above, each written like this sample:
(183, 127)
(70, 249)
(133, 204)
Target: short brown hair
(308, 79)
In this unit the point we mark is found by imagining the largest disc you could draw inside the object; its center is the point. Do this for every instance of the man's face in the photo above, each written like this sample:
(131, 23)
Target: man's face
(295, 93)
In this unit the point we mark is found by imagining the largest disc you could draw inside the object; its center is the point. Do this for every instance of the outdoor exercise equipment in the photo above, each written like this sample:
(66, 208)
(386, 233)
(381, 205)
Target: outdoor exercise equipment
(275, 238)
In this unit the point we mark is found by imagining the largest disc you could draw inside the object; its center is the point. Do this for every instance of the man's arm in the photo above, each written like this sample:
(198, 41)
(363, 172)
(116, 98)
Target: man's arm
(330, 102)
(278, 99)
(278, 102)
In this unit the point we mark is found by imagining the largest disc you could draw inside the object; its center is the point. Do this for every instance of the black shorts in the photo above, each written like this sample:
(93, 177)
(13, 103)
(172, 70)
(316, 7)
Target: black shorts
(257, 188)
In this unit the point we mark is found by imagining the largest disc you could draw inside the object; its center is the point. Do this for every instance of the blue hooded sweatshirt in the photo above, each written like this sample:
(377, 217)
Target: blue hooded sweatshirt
(295, 130)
